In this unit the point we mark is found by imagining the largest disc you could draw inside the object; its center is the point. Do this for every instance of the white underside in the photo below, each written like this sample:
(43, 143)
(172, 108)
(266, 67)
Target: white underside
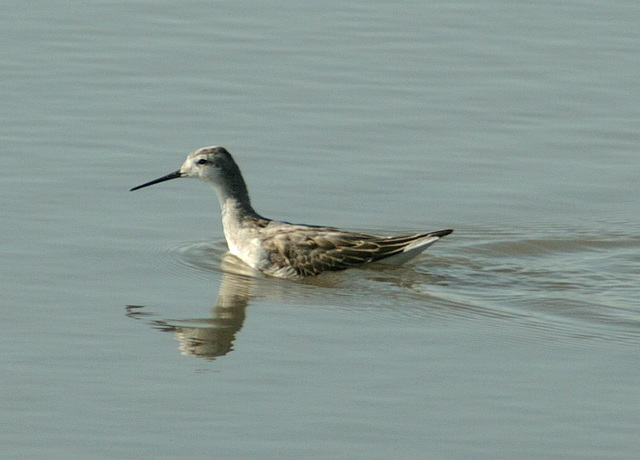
(411, 251)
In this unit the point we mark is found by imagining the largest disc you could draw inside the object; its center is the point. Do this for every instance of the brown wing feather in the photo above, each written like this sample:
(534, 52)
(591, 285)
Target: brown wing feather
(309, 251)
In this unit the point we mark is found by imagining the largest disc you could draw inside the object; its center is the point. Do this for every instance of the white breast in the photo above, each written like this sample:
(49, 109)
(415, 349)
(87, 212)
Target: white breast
(244, 245)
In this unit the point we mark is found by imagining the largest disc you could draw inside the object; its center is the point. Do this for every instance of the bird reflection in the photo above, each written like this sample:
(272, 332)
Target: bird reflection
(209, 338)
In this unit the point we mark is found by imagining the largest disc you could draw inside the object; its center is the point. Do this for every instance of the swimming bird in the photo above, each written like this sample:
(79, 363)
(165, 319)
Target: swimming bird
(282, 249)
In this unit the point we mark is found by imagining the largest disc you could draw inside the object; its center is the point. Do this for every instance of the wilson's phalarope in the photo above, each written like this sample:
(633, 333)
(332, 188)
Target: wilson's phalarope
(282, 249)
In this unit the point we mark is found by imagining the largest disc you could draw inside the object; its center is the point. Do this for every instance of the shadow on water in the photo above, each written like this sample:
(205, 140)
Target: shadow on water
(561, 287)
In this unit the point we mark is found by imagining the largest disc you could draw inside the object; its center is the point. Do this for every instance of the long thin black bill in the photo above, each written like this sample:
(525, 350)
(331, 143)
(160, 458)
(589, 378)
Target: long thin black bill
(173, 175)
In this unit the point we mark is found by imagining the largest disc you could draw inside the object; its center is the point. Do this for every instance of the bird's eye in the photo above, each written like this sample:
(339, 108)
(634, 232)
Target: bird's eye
(202, 162)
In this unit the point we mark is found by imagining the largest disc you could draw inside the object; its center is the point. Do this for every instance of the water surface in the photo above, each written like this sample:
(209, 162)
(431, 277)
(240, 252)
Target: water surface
(129, 332)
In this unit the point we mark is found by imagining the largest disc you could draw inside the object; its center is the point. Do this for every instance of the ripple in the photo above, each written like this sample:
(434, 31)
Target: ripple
(579, 281)
(198, 258)
(561, 285)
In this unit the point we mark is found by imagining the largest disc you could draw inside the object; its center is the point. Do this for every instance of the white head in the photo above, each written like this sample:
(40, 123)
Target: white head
(210, 164)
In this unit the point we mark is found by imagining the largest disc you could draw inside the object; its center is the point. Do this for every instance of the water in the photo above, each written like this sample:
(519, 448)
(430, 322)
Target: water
(129, 333)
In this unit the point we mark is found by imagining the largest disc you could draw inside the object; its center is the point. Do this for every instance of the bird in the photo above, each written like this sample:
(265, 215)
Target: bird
(282, 249)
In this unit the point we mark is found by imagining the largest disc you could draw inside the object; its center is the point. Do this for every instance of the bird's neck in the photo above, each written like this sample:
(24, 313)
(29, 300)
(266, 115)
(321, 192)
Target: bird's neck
(234, 202)
(237, 218)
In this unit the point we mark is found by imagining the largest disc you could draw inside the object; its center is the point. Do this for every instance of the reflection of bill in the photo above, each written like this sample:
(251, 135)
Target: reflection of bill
(208, 338)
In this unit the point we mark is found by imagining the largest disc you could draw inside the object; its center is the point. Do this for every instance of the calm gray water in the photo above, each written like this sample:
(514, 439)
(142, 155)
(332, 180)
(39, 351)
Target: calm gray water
(128, 333)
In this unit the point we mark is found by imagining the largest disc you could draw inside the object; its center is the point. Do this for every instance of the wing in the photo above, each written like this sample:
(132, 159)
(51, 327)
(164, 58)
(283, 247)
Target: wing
(302, 251)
